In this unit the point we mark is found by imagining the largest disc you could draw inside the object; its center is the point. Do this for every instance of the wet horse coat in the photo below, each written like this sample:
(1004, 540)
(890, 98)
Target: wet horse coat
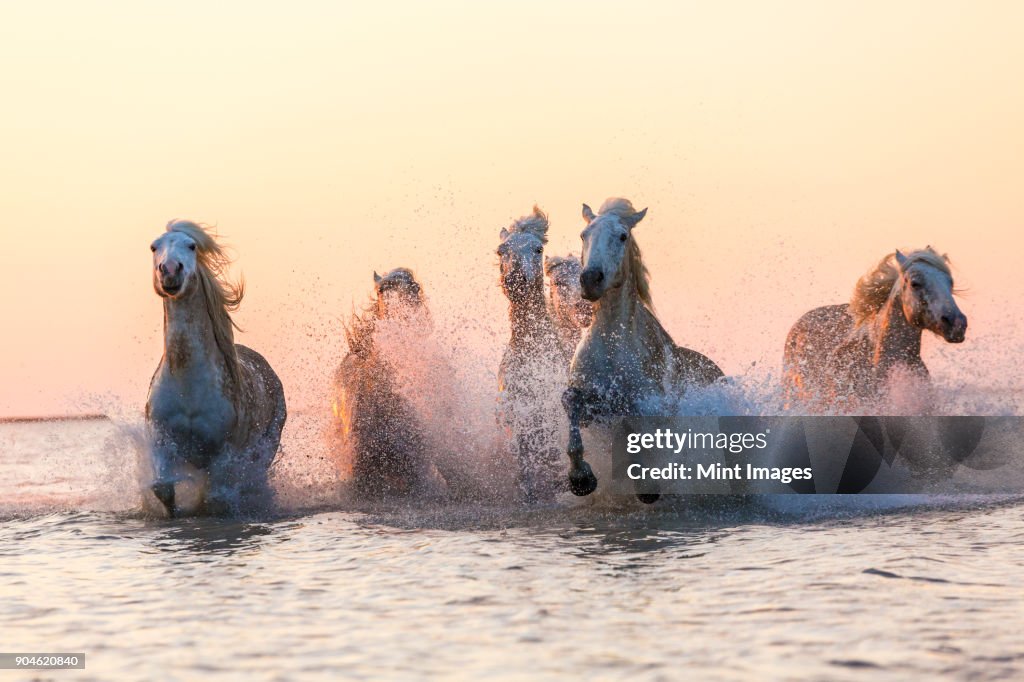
(626, 356)
(379, 425)
(569, 311)
(533, 366)
(843, 356)
(214, 407)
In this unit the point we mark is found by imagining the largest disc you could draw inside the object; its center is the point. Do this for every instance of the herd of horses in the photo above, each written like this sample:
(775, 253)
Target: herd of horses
(585, 348)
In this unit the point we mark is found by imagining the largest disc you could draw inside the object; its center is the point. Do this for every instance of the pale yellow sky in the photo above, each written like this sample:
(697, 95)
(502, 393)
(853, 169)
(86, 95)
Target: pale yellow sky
(781, 147)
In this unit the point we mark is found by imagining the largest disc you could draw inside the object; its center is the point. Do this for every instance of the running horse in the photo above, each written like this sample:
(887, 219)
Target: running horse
(569, 311)
(379, 425)
(626, 356)
(842, 356)
(533, 366)
(216, 408)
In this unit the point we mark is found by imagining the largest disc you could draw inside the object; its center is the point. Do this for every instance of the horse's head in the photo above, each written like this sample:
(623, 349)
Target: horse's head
(566, 294)
(521, 255)
(174, 263)
(398, 293)
(926, 295)
(607, 246)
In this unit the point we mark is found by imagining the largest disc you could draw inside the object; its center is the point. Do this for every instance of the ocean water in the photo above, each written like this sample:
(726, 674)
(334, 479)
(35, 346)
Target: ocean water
(814, 588)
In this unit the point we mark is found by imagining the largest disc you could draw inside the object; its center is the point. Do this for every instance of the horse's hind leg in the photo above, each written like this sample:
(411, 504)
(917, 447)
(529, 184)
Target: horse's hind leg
(582, 480)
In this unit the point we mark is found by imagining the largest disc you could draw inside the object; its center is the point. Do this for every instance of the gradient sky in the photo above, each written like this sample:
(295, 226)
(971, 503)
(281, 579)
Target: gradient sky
(781, 147)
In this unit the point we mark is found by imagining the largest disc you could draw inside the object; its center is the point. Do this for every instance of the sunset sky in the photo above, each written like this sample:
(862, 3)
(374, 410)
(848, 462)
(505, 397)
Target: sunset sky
(781, 147)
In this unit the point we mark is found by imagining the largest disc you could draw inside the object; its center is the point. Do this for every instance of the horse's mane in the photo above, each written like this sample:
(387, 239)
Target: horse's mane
(359, 329)
(536, 224)
(620, 207)
(873, 289)
(222, 295)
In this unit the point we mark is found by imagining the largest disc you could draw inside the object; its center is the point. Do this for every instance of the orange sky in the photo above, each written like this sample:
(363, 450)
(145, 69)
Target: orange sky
(781, 147)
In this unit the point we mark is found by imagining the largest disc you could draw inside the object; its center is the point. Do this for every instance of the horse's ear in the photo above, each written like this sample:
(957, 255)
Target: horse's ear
(504, 234)
(632, 220)
(376, 278)
(588, 214)
(901, 260)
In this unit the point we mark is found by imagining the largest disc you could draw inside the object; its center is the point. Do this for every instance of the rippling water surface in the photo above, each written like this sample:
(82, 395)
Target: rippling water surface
(839, 589)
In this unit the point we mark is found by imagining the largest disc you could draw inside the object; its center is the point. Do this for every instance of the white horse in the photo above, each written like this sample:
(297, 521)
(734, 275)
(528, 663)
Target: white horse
(216, 409)
(569, 311)
(532, 371)
(844, 355)
(625, 357)
(376, 422)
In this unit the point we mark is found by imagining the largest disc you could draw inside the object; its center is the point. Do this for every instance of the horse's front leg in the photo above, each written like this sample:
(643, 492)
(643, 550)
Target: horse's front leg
(582, 480)
(163, 455)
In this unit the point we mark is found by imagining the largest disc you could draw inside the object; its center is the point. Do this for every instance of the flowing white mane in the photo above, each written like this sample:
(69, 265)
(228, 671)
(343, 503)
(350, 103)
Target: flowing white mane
(873, 289)
(222, 296)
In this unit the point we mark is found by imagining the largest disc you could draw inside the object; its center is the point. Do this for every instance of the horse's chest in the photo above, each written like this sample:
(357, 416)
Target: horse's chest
(610, 370)
(190, 412)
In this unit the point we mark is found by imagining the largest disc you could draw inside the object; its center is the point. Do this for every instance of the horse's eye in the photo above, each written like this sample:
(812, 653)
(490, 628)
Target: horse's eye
(152, 247)
(915, 284)
(191, 247)
(539, 249)
(623, 237)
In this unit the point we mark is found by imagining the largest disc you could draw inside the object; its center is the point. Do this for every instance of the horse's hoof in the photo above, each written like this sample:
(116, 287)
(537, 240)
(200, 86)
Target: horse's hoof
(582, 481)
(165, 493)
(648, 498)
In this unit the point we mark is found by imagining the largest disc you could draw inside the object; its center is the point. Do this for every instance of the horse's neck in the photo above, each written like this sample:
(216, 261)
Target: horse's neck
(529, 318)
(894, 339)
(189, 340)
(614, 313)
(621, 316)
(625, 350)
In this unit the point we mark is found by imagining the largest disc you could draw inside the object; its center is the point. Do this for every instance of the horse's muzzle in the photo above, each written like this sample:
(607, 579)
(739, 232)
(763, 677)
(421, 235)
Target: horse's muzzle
(591, 284)
(954, 328)
(171, 284)
(518, 285)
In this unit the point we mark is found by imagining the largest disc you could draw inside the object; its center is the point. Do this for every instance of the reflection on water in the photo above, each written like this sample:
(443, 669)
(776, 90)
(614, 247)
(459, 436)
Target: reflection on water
(651, 594)
(210, 536)
(827, 588)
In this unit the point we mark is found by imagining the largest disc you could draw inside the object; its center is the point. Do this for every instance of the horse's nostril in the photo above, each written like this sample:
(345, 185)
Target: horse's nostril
(591, 278)
(181, 266)
(947, 320)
